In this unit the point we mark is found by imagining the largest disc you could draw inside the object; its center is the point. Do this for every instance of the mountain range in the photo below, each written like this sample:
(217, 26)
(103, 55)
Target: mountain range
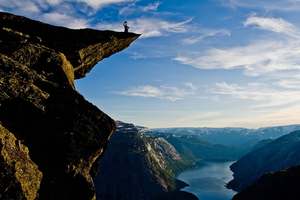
(141, 163)
(227, 136)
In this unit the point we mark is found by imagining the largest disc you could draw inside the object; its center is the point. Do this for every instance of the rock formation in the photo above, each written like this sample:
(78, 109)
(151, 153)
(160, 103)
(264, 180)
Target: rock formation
(281, 185)
(140, 166)
(51, 138)
(273, 156)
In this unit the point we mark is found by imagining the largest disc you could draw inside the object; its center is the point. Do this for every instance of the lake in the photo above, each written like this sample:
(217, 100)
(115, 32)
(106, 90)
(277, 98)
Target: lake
(207, 182)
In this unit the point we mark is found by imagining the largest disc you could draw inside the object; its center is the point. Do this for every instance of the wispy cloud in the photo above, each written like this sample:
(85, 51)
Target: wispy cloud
(133, 8)
(149, 27)
(260, 57)
(96, 4)
(152, 7)
(266, 95)
(277, 25)
(163, 92)
(266, 4)
(289, 84)
(128, 9)
(193, 87)
(65, 20)
(205, 33)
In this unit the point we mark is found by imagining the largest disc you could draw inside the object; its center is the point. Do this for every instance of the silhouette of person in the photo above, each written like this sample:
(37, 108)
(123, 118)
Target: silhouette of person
(126, 27)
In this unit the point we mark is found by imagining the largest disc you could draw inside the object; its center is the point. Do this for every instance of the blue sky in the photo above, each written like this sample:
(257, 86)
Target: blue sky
(198, 63)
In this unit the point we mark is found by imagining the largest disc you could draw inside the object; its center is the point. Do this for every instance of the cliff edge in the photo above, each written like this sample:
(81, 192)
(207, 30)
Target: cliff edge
(51, 138)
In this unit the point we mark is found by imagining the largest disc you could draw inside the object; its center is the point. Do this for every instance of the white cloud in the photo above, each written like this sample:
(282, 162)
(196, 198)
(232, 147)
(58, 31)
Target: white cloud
(260, 57)
(152, 7)
(143, 91)
(289, 84)
(277, 25)
(214, 98)
(193, 87)
(266, 4)
(53, 2)
(21, 7)
(256, 58)
(97, 4)
(130, 8)
(163, 92)
(65, 20)
(133, 8)
(205, 33)
(264, 94)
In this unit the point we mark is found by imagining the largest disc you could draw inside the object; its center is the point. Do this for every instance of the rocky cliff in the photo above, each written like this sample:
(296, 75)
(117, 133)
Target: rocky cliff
(140, 166)
(271, 157)
(195, 148)
(51, 138)
(281, 185)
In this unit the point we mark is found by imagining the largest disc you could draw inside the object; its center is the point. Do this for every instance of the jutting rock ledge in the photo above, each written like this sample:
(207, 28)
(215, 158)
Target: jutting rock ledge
(51, 138)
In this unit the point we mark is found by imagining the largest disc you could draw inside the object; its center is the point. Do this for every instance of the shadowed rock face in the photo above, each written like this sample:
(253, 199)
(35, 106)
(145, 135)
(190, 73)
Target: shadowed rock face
(273, 156)
(140, 167)
(283, 184)
(40, 108)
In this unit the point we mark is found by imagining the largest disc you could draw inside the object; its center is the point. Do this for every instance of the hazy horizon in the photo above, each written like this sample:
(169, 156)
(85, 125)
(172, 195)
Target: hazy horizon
(179, 127)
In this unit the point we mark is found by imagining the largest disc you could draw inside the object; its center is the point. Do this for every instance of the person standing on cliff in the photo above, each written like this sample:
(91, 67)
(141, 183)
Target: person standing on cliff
(126, 27)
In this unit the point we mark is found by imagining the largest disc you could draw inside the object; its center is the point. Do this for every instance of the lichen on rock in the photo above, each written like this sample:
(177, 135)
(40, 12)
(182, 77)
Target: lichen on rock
(19, 175)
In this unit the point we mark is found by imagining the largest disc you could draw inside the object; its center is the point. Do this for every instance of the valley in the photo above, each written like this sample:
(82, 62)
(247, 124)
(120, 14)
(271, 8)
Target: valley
(140, 166)
(142, 163)
(269, 157)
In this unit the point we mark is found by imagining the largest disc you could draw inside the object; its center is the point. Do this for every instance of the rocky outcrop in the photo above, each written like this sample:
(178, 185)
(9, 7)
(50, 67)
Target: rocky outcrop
(140, 166)
(51, 138)
(273, 156)
(281, 185)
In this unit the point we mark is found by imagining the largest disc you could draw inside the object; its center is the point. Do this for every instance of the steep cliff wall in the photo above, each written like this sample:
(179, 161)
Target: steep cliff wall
(281, 185)
(274, 156)
(51, 138)
(140, 166)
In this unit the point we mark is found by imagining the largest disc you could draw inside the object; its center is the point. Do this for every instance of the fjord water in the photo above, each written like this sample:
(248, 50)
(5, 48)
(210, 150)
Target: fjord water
(208, 181)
